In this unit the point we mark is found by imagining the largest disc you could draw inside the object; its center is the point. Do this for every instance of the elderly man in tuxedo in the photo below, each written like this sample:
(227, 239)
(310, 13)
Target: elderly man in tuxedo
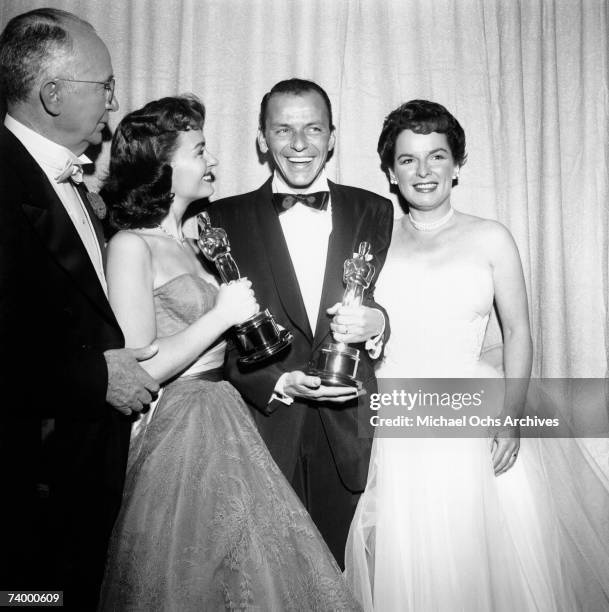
(62, 349)
(293, 248)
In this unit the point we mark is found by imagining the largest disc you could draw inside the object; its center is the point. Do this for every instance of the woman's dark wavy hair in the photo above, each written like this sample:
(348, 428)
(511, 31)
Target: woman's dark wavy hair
(422, 117)
(137, 189)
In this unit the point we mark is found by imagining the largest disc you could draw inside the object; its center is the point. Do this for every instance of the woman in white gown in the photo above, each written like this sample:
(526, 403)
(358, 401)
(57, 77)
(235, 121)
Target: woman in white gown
(449, 524)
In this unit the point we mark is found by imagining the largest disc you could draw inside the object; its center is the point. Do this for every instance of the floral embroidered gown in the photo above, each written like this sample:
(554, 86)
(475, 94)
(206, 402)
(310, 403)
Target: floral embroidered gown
(208, 521)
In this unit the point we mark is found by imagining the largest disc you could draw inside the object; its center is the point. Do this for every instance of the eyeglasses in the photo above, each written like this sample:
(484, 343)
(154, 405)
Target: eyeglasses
(108, 86)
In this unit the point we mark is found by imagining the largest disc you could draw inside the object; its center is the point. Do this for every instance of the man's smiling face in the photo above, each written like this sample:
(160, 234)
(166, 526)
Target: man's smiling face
(298, 135)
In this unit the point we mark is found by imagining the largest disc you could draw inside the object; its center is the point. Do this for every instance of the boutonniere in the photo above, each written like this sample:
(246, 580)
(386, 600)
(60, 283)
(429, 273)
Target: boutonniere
(97, 204)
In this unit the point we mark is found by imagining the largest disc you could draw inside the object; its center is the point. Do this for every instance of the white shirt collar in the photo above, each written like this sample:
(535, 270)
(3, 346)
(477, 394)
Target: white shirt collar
(319, 184)
(46, 152)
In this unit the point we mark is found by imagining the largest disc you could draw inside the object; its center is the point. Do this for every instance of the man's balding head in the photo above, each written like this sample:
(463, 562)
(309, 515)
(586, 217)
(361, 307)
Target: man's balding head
(56, 77)
(33, 45)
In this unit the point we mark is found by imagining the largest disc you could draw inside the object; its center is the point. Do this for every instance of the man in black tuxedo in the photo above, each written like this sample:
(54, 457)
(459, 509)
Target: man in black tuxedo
(62, 349)
(293, 251)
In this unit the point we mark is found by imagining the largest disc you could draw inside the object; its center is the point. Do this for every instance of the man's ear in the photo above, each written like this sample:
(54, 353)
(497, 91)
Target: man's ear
(332, 140)
(262, 145)
(50, 96)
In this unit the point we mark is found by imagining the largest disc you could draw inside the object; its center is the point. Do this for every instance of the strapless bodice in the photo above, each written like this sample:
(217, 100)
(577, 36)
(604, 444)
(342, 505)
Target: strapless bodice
(438, 316)
(181, 301)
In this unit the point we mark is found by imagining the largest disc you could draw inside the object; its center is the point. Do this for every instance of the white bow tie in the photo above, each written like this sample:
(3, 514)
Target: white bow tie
(72, 171)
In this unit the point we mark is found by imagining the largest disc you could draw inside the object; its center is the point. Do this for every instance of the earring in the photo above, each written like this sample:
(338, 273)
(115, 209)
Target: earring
(393, 181)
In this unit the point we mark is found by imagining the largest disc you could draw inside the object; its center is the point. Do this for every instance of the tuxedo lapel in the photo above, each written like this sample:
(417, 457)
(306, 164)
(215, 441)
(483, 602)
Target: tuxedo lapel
(339, 248)
(278, 255)
(53, 224)
(83, 191)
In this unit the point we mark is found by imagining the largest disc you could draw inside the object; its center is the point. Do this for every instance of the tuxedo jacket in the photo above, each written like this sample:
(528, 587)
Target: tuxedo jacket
(259, 249)
(55, 324)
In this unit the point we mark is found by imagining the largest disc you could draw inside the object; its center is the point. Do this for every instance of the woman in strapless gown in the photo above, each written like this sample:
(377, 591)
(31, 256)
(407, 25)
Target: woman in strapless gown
(454, 524)
(208, 521)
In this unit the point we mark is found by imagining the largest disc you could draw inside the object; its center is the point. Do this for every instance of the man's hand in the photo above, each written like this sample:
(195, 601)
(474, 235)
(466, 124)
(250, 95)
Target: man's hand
(353, 324)
(504, 446)
(298, 384)
(130, 387)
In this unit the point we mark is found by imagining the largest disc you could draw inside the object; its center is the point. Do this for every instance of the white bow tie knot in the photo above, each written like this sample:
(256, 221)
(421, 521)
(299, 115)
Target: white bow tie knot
(72, 171)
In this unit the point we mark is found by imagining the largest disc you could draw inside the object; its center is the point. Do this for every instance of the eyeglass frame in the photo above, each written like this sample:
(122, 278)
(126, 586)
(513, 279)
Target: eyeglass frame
(109, 85)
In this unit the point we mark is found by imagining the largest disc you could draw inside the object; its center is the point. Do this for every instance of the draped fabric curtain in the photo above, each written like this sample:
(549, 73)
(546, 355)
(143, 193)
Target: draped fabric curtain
(527, 79)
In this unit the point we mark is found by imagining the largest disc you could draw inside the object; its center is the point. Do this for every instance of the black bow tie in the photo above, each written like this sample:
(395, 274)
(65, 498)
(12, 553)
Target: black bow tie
(285, 201)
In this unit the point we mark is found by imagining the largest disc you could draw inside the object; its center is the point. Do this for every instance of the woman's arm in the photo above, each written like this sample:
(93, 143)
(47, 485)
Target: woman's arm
(512, 304)
(130, 291)
(513, 311)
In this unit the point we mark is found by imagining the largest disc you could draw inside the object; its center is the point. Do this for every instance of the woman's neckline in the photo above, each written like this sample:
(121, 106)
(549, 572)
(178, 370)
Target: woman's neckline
(192, 274)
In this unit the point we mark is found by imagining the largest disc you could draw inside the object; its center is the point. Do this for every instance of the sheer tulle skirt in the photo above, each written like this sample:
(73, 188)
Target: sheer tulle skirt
(437, 531)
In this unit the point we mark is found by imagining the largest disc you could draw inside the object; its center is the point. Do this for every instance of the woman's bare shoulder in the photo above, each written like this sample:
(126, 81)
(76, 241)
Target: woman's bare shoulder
(130, 241)
(488, 229)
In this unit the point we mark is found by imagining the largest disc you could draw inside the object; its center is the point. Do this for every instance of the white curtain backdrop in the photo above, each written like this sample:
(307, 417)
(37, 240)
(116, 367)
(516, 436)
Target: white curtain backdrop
(528, 80)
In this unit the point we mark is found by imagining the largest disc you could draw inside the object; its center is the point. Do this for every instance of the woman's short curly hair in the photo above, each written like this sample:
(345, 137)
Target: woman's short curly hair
(137, 189)
(422, 117)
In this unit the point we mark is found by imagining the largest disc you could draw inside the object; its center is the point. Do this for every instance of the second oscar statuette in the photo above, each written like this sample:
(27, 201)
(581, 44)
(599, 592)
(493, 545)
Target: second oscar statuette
(337, 363)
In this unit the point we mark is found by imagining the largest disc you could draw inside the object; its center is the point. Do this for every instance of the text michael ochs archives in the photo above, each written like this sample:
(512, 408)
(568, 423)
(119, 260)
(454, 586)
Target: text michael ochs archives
(469, 407)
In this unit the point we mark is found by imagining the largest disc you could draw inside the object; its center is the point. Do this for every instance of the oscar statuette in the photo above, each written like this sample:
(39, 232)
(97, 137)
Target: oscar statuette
(337, 363)
(259, 337)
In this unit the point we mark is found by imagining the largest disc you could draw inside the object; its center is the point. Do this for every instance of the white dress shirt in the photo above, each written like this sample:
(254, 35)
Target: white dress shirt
(53, 158)
(306, 231)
